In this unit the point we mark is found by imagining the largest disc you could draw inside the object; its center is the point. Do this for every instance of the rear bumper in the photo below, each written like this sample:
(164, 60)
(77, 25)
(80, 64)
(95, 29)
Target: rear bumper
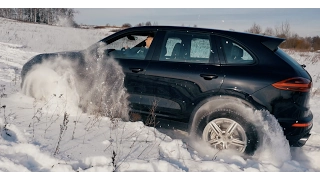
(297, 136)
(302, 141)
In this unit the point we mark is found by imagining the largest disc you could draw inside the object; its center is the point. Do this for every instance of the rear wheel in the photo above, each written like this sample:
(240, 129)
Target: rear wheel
(227, 129)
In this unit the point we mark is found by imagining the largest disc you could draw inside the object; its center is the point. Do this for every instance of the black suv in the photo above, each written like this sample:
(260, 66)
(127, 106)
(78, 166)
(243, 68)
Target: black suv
(197, 76)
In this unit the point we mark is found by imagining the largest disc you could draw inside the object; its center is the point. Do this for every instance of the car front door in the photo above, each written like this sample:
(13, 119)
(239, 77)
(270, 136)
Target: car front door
(126, 50)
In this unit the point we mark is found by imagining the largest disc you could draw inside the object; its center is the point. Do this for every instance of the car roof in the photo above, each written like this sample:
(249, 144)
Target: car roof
(186, 28)
(269, 41)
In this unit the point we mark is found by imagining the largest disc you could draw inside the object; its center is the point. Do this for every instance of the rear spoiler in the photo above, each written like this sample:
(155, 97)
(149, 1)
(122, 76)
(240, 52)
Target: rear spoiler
(272, 43)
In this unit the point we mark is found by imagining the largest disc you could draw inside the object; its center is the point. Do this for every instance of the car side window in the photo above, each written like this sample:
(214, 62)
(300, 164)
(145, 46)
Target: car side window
(186, 47)
(128, 47)
(200, 48)
(167, 50)
(235, 53)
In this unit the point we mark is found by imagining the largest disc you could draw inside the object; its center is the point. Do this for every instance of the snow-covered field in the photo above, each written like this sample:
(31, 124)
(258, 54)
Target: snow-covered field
(47, 135)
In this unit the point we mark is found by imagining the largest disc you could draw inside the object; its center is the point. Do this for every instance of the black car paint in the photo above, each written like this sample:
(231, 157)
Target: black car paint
(180, 86)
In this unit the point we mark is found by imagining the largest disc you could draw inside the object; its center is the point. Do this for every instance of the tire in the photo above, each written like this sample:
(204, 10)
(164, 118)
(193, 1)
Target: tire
(226, 129)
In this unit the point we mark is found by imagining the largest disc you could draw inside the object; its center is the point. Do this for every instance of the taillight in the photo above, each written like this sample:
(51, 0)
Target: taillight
(301, 125)
(294, 84)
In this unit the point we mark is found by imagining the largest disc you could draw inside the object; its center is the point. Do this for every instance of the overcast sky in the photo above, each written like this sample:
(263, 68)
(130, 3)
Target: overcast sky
(88, 144)
(303, 21)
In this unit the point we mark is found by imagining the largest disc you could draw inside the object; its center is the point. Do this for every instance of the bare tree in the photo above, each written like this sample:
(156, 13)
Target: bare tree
(140, 24)
(269, 31)
(283, 30)
(148, 23)
(316, 43)
(255, 29)
(126, 25)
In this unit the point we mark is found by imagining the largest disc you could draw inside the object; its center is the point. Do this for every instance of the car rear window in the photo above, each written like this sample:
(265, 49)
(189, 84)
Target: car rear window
(235, 53)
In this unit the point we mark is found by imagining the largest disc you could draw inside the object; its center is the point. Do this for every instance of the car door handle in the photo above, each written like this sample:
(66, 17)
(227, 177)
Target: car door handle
(209, 76)
(136, 70)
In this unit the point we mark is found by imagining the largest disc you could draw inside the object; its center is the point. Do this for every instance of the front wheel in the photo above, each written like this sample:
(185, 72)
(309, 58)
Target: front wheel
(227, 129)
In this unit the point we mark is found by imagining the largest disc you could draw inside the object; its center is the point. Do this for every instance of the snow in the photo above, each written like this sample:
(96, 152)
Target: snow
(51, 134)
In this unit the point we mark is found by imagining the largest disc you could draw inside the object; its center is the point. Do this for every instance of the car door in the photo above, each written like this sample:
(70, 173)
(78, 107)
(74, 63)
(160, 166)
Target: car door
(125, 50)
(185, 70)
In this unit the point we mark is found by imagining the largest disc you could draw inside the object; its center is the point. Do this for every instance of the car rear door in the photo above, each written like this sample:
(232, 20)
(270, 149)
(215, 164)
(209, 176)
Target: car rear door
(184, 70)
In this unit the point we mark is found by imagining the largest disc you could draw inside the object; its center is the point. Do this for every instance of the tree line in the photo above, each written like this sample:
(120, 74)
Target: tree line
(293, 40)
(55, 16)
(51, 16)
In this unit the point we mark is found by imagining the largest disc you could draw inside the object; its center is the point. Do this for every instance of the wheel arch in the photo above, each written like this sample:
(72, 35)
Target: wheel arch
(210, 102)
